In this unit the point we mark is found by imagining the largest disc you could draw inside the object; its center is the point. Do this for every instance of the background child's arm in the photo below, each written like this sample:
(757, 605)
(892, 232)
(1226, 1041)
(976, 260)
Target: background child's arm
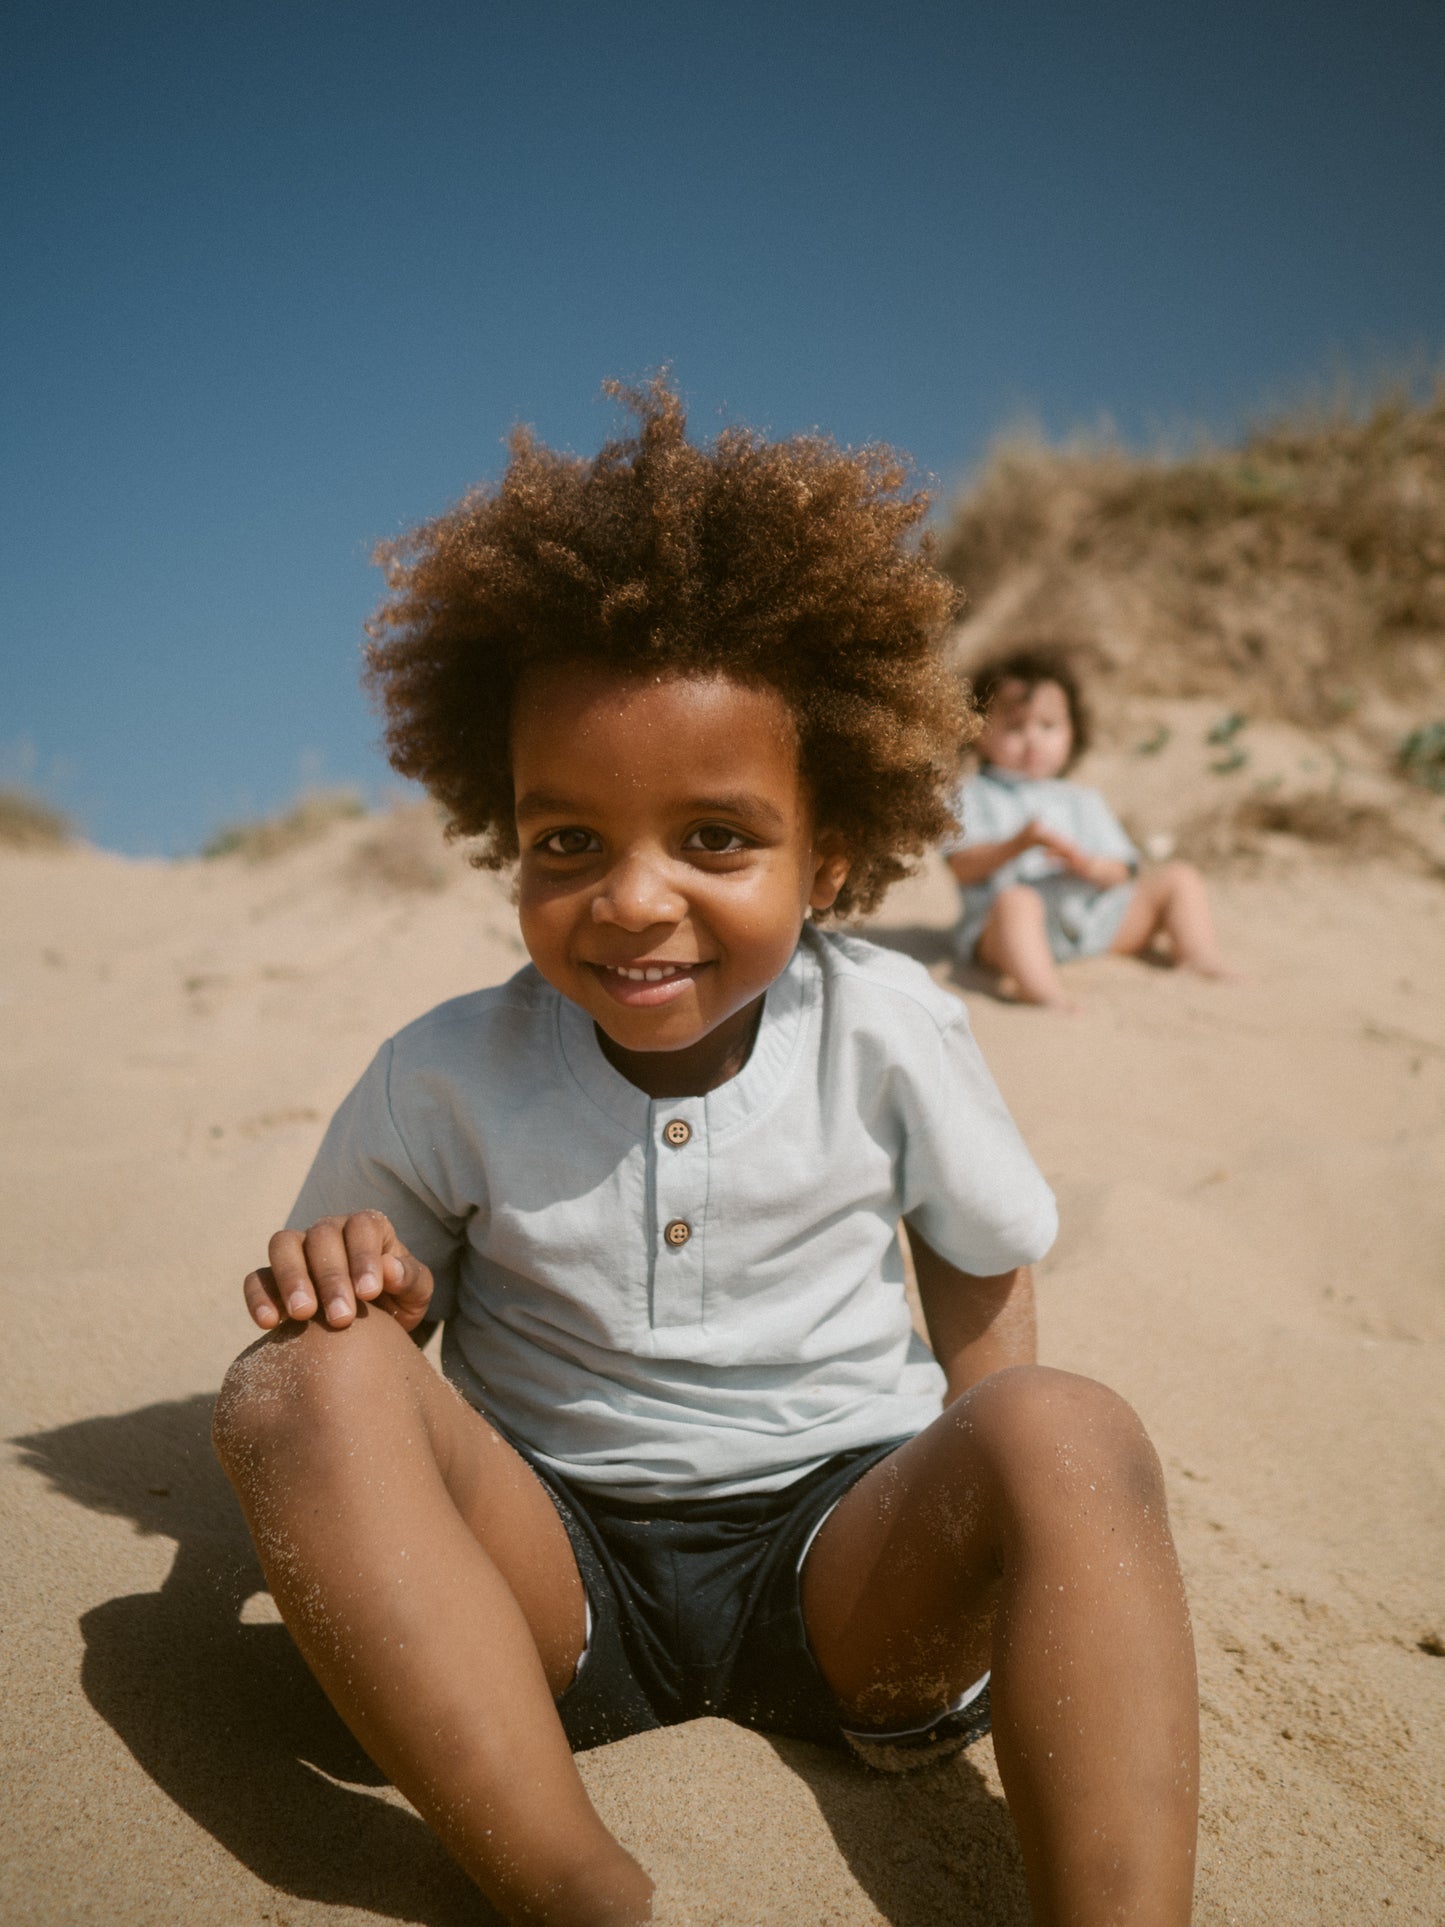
(1100, 850)
(975, 1325)
(1102, 871)
(338, 1263)
(977, 862)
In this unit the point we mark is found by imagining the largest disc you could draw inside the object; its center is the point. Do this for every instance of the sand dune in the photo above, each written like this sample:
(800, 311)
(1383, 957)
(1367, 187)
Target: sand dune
(1253, 1192)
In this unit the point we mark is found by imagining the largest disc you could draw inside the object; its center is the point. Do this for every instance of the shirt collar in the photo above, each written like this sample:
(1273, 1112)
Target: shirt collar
(731, 1104)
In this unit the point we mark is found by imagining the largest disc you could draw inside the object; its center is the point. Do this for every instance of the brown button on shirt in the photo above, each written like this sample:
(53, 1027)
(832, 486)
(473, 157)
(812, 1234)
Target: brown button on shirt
(678, 1132)
(678, 1233)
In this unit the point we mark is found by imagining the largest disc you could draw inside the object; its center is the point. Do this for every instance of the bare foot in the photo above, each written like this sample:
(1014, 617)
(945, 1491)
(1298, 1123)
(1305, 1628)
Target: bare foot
(1013, 993)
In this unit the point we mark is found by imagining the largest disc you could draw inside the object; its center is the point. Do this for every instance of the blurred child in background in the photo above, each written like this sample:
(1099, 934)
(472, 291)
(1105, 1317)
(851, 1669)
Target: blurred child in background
(1046, 869)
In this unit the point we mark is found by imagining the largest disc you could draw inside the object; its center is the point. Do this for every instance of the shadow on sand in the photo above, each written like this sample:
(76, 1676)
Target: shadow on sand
(226, 1719)
(224, 1716)
(927, 1847)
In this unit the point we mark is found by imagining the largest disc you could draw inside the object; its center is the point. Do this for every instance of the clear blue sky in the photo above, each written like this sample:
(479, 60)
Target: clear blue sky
(280, 277)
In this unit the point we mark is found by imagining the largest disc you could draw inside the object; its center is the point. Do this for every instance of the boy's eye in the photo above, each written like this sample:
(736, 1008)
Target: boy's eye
(716, 838)
(569, 843)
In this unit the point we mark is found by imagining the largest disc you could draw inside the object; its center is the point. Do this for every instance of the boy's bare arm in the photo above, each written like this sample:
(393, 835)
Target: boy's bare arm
(975, 1325)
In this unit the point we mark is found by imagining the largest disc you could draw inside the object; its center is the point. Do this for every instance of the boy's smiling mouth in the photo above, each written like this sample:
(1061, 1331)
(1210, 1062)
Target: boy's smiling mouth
(646, 985)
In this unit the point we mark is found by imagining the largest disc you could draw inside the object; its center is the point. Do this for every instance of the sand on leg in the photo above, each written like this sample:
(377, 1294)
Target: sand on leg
(428, 1581)
(1026, 1530)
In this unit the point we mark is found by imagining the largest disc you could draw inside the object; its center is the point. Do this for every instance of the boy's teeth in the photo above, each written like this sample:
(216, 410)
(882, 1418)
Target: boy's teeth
(652, 974)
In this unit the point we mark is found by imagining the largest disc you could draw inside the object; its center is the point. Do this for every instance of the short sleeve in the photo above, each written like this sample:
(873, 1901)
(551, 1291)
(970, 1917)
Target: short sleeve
(364, 1164)
(1101, 832)
(970, 1187)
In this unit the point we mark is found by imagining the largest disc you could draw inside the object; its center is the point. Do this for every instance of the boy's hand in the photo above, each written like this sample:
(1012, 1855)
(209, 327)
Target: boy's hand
(333, 1266)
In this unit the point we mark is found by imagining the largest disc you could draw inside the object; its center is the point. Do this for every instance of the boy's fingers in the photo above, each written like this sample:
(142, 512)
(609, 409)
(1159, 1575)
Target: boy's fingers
(339, 1264)
(408, 1287)
(290, 1275)
(263, 1301)
(367, 1235)
(417, 1285)
(329, 1265)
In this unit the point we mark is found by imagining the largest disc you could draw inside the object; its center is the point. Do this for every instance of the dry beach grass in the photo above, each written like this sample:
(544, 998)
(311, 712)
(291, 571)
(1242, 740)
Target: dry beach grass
(1298, 576)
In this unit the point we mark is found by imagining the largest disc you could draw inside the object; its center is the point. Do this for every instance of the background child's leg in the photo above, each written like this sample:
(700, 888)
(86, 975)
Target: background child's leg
(1026, 1529)
(426, 1577)
(1015, 943)
(1172, 901)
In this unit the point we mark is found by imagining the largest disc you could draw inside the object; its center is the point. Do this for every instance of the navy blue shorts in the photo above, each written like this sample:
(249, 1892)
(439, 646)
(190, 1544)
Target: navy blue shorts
(695, 1612)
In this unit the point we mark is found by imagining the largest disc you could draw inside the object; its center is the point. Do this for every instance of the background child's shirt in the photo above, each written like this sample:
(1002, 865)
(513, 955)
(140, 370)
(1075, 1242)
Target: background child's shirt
(994, 805)
(699, 1295)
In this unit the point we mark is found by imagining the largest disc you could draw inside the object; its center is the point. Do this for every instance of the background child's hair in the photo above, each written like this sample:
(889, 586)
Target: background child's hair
(781, 563)
(1031, 664)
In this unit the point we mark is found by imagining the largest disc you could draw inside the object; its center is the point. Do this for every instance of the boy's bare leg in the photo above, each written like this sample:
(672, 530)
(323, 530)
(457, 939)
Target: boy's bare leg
(1015, 943)
(1026, 1530)
(429, 1583)
(1173, 901)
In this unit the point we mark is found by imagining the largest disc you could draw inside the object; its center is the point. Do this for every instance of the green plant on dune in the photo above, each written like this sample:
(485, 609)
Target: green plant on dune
(1422, 756)
(1227, 728)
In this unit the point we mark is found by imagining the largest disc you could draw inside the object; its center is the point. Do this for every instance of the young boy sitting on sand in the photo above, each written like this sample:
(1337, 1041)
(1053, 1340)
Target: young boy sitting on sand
(1047, 871)
(699, 1464)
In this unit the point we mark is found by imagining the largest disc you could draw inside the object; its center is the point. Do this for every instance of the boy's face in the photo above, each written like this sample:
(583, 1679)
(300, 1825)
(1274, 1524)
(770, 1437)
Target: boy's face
(1028, 731)
(668, 860)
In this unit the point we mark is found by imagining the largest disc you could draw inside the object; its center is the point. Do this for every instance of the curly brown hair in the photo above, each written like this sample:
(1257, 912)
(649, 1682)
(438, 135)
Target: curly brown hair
(780, 563)
(1032, 664)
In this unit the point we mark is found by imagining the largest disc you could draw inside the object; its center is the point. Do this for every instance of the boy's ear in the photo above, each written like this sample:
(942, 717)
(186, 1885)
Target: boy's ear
(829, 876)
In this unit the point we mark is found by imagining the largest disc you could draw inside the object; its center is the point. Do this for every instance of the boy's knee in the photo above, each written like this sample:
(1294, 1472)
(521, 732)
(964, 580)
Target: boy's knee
(1043, 1431)
(245, 1405)
(295, 1381)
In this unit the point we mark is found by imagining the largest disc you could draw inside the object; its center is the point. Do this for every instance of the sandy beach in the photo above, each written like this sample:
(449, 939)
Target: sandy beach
(1252, 1184)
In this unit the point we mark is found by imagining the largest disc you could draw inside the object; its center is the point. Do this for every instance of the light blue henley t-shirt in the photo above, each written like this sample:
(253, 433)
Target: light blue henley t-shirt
(702, 1295)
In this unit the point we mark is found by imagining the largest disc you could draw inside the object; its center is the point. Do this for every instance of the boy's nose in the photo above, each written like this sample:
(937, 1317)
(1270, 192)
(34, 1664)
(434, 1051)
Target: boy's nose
(637, 893)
